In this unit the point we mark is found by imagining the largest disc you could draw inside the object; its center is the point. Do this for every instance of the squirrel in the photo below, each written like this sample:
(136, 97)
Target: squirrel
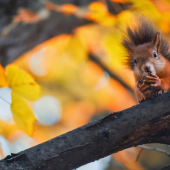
(148, 55)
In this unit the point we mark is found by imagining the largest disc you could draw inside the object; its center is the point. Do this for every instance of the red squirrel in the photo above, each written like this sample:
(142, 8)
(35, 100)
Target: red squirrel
(148, 56)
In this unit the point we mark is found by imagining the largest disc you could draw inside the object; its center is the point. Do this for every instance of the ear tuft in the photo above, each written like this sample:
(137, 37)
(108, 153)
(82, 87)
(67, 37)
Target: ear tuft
(157, 40)
(129, 47)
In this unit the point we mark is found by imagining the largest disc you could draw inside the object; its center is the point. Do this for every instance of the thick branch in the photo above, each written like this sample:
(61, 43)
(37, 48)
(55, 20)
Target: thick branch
(166, 168)
(26, 36)
(145, 123)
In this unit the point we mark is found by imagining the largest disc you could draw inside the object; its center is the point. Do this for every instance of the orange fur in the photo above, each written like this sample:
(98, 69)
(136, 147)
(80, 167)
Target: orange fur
(149, 57)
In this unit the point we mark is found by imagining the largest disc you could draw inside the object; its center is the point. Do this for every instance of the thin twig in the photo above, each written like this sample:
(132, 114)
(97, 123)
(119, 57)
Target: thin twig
(5, 100)
(105, 68)
(139, 154)
(153, 148)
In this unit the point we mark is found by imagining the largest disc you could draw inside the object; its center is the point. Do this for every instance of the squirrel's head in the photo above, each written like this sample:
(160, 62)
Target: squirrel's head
(147, 57)
(146, 50)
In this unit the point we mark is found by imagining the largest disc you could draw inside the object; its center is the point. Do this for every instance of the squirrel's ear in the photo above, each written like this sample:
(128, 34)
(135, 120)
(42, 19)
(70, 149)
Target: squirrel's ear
(157, 41)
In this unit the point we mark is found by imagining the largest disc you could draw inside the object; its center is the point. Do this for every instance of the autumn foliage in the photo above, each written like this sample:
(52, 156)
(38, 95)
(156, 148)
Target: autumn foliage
(56, 87)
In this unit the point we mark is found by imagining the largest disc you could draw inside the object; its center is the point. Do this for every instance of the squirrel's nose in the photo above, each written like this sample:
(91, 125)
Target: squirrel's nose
(147, 68)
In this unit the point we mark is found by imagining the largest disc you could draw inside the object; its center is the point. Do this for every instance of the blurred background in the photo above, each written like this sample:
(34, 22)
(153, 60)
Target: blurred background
(73, 50)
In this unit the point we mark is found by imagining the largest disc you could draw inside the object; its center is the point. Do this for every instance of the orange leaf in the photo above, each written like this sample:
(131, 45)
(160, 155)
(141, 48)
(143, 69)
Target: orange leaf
(51, 6)
(3, 80)
(119, 1)
(68, 9)
(26, 16)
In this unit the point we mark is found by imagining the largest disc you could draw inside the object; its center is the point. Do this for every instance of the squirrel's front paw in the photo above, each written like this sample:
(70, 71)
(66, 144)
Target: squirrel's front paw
(142, 100)
(145, 89)
(159, 93)
(153, 81)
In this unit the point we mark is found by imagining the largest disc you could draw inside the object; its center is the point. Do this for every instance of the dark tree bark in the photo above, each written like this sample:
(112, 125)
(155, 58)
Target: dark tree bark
(26, 36)
(148, 122)
(166, 168)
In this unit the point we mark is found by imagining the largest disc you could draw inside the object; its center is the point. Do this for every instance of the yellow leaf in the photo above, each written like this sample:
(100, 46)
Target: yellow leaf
(22, 113)
(21, 82)
(146, 8)
(7, 129)
(98, 12)
(97, 7)
(76, 50)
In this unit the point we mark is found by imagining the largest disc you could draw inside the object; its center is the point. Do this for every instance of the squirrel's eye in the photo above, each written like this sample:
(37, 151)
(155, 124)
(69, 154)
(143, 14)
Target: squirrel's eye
(135, 61)
(155, 54)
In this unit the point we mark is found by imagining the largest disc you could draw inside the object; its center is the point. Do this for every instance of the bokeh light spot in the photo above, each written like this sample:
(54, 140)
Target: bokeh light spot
(47, 110)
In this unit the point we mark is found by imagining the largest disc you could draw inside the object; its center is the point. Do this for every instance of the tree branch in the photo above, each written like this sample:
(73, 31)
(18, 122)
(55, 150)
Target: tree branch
(145, 123)
(105, 68)
(27, 35)
(166, 168)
